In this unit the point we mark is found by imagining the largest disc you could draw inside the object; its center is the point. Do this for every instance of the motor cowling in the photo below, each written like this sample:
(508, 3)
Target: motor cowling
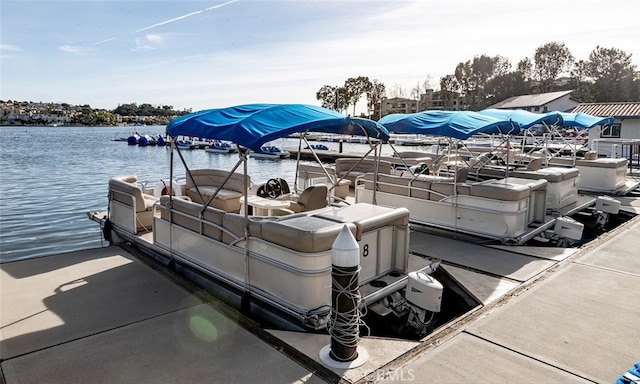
(424, 296)
(424, 291)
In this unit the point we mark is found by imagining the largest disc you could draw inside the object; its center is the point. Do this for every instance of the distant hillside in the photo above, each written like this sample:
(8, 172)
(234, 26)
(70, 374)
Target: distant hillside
(60, 114)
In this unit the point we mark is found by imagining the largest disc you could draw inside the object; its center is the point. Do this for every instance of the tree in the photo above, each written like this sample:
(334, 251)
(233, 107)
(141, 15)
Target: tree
(525, 68)
(146, 109)
(449, 89)
(505, 86)
(327, 96)
(423, 94)
(551, 60)
(126, 110)
(635, 88)
(613, 73)
(472, 77)
(497, 83)
(333, 97)
(355, 87)
(580, 82)
(397, 91)
(375, 94)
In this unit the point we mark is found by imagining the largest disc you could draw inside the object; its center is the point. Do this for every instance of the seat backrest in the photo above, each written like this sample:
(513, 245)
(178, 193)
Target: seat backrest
(534, 164)
(461, 175)
(591, 155)
(125, 189)
(314, 197)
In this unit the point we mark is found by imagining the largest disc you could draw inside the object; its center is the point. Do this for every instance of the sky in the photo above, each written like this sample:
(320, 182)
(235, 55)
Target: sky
(212, 54)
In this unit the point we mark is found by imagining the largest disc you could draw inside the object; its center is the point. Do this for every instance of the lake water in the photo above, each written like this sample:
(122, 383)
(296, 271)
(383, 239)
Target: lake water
(50, 177)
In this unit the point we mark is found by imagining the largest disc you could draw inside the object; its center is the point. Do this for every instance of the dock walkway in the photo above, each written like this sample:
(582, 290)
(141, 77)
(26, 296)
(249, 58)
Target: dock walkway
(105, 316)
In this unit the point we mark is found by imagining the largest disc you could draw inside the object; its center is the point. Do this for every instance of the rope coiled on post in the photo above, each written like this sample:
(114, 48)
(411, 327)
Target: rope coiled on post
(345, 327)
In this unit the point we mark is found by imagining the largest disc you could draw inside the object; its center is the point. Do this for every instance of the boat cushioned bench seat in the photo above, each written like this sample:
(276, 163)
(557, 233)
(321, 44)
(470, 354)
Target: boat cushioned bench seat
(400, 161)
(125, 190)
(414, 156)
(436, 188)
(551, 174)
(188, 216)
(209, 181)
(509, 189)
(310, 172)
(366, 217)
(400, 185)
(301, 232)
(125, 187)
(343, 165)
(604, 162)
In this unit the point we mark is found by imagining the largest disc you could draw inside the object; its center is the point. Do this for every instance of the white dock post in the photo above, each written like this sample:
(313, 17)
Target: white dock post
(344, 322)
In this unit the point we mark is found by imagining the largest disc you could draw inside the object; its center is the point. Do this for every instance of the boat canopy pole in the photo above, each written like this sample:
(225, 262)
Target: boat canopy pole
(295, 180)
(171, 145)
(378, 148)
(243, 158)
(356, 164)
(245, 303)
(334, 182)
(506, 165)
(454, 202)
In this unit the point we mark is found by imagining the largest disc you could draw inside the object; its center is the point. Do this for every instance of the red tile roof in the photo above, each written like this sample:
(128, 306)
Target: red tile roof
(617, 110)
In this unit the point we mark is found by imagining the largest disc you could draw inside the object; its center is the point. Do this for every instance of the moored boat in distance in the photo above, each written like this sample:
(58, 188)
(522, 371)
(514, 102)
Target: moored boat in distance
(218, 146)
(133, 139)
(186, 144)
(270, 152)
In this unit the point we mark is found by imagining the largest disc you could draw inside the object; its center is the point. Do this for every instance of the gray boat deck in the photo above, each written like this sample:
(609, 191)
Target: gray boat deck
(105, 316)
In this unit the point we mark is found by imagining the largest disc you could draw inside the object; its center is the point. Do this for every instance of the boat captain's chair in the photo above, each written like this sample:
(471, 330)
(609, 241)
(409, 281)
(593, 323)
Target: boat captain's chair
(314, 197)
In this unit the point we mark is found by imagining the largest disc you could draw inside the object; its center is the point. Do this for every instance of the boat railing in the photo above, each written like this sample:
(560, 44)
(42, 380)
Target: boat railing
(446, 190)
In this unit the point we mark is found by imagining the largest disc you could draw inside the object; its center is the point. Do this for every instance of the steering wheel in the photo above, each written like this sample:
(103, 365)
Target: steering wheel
(273, 188)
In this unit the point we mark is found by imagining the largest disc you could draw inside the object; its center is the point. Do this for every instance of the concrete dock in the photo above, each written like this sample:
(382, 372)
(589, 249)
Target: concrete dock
(106, 316)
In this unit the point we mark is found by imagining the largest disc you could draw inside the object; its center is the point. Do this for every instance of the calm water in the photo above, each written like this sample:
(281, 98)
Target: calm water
(51, 177)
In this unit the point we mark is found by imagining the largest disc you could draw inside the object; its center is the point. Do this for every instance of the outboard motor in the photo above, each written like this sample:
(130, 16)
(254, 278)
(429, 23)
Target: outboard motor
(424, 296)
(605, 206)
(567, 230)
(416, 307)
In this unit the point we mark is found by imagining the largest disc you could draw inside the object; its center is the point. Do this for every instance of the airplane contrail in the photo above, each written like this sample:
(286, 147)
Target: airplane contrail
(103, 41)
(185, 16)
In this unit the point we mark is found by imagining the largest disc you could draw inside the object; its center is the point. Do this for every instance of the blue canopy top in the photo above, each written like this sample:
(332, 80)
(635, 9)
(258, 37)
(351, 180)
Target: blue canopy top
(526, 119)
(253, 125)
(457, 124)
(583, 120)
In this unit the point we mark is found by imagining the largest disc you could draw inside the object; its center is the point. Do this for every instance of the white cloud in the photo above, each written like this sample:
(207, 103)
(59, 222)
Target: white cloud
(155, 39)
(73, 49)
(8, 47)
